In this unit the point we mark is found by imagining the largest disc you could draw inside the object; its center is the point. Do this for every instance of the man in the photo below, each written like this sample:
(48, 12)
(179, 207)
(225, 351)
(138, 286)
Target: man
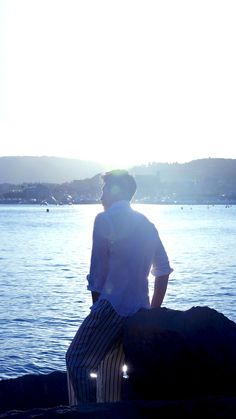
(125, 247)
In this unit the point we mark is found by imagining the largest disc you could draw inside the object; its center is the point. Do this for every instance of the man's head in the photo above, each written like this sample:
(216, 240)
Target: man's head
(118, 185)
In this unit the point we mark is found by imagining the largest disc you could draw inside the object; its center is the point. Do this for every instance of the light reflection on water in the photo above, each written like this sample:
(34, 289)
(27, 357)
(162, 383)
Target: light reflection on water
(45, 257)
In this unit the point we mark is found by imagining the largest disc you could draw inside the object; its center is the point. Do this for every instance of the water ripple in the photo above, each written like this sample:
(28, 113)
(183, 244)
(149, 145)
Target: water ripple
(44, 263)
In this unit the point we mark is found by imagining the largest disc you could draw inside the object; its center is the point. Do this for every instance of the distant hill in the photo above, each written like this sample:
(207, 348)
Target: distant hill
(214, 174)
(195, 170)
(18, 170)
(52, 179)
(197, 178)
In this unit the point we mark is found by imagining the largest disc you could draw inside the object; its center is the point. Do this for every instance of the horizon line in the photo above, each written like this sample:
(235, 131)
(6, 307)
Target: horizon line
(146, 163)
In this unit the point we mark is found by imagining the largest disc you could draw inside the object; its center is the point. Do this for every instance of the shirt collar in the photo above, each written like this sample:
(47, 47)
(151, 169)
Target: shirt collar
(120, 204)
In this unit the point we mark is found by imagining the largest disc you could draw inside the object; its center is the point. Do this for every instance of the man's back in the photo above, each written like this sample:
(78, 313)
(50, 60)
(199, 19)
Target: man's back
(124, 248)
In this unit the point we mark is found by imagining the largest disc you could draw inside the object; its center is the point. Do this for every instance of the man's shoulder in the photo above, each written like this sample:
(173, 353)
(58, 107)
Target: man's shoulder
(103, 219)
(141, 216)
(99, 215)
(101, 225)
(111, 215)
(100, 218)
(144, 221)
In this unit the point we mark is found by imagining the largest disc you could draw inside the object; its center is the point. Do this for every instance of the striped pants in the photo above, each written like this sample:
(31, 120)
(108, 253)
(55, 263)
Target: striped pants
(96, 348)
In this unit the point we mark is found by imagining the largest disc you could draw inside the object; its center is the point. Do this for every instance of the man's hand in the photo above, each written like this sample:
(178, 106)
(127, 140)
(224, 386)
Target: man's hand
(95, 296)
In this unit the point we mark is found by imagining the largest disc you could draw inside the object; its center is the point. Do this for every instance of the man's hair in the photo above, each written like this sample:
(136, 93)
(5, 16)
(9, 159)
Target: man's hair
(121, 182)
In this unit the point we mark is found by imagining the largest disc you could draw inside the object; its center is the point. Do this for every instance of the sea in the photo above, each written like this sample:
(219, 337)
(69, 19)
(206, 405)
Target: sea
(45, 256)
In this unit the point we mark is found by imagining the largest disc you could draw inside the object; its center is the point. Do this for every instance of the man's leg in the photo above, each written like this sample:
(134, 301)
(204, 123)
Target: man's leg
(98, 333)
(71, 394)
(109, 375)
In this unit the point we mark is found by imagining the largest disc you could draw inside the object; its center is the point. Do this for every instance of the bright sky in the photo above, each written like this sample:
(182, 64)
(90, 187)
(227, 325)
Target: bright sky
(118, 81)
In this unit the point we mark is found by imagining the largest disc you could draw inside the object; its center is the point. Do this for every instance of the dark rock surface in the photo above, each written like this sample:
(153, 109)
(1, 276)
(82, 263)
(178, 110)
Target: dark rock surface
(213, 408)
(185, 353)
(182, 364)
(29, 391)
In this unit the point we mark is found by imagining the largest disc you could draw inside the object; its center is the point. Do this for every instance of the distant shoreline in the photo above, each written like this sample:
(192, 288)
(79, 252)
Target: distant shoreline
(181, 203)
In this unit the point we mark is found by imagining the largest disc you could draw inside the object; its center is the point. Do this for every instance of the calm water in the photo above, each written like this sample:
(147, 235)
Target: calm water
(44, 259)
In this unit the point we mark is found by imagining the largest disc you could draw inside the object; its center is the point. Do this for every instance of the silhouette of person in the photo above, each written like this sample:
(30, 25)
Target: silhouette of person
(126, 247)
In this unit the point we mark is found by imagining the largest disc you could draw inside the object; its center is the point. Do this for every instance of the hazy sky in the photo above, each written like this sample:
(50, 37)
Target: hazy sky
(122, 81)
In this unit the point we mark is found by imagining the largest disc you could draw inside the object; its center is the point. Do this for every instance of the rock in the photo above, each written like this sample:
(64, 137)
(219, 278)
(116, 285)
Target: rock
(212, 408)
(174, 354)
(182, 364)
(29, 391)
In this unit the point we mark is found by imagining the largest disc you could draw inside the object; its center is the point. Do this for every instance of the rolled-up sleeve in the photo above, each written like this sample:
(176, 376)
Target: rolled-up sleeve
(160, 265)
(99, 256)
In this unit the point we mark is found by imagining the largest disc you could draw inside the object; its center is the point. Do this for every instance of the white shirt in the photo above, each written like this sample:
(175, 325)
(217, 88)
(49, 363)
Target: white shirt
(125, 247)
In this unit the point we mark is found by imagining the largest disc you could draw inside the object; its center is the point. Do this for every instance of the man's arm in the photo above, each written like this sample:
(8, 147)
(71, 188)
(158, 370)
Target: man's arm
(99, 258)
(159, 290)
